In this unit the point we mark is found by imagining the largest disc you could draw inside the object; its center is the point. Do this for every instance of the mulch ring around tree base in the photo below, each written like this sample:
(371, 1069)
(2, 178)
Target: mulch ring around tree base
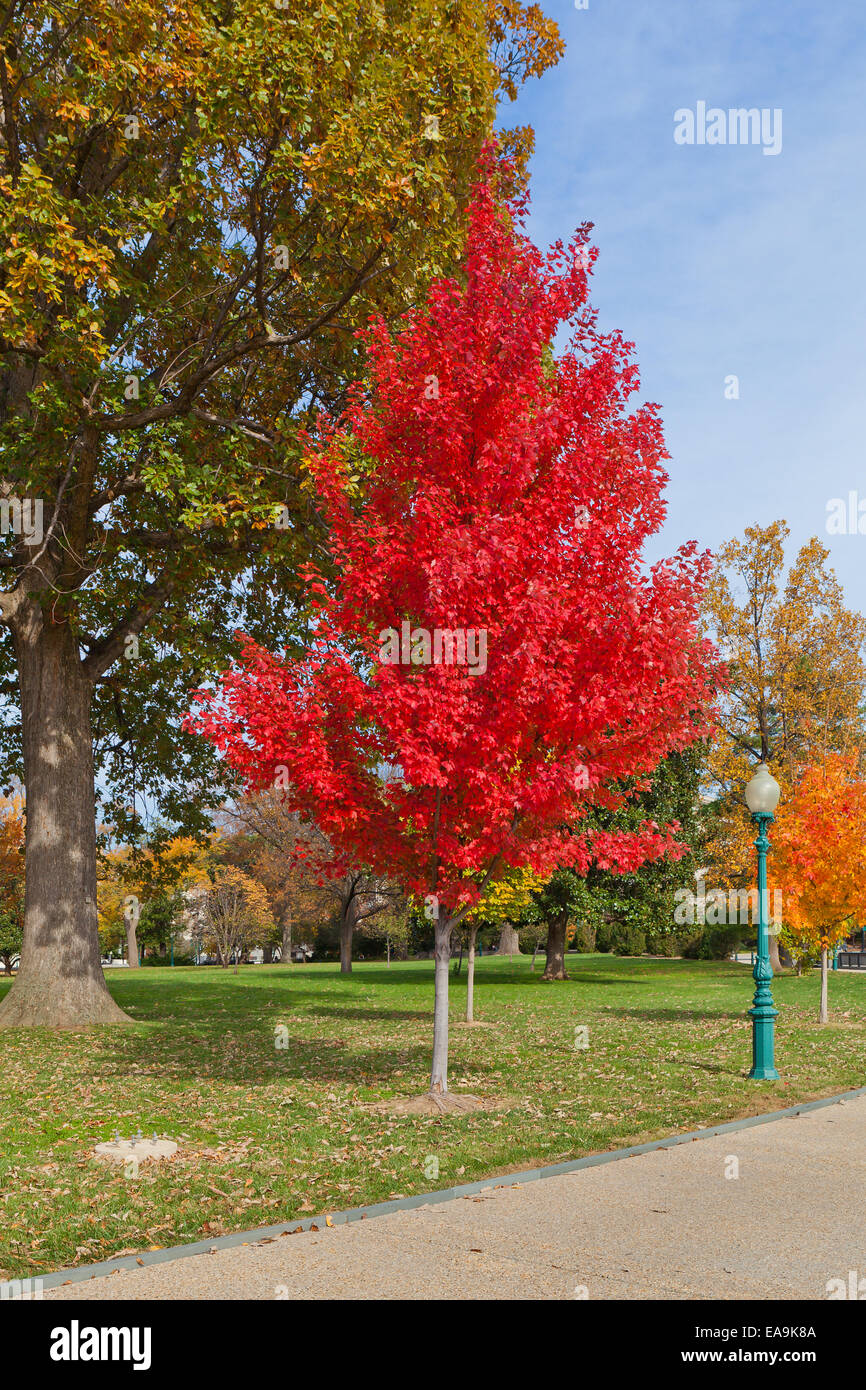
(451, 1103)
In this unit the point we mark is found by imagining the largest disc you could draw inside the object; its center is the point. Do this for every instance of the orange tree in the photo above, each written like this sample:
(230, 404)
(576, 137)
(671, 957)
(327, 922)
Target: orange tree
(819, 859)
(11, 879)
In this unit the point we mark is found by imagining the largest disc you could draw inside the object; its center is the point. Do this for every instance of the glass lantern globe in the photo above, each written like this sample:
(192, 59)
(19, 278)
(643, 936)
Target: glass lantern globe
(763, 792)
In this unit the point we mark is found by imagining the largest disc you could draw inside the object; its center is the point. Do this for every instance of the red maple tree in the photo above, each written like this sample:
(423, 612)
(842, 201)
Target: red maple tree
(481, 487)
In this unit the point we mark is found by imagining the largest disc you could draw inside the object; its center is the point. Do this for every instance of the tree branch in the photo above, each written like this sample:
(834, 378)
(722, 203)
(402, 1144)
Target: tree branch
(110, 648)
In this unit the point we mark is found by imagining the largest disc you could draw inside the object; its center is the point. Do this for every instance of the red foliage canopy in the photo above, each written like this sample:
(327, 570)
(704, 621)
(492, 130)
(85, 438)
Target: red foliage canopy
(505, 493)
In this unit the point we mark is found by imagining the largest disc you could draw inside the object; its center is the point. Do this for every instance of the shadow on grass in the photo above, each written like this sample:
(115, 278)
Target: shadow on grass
(372, 1014)
(650, 1015)
(206, 1030)
(251, 1059)
(713, 1067)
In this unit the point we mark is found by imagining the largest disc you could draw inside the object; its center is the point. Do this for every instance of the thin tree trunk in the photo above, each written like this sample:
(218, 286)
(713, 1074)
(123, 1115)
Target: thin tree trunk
(60, 983)
(131, 945)
(439, 1071)
(824, 1013)
(470, 976)
(286, 940)
(555, 967)
(388, 950)
(773, 944)
(347, 924)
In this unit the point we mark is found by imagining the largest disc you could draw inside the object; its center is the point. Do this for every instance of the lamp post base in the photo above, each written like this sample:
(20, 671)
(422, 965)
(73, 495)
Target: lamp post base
(763, 1043)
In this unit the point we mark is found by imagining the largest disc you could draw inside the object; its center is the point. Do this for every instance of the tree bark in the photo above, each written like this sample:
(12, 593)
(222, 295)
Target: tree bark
(347, 924)
(131, 945)
(470, 976)
(60, 983)
(286, 942)
(442, 954)
(555, 967)
(773, 944)
(824, 1013)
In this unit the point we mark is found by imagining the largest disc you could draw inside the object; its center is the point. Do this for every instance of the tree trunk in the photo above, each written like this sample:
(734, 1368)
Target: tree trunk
(824, 1014)
(439, 1071)
(555, 967)
(60, 983)
(131, 944)
(509, 942)
(470, 976)
(388, 950)
(347, 924)
(773, 944)
(286, 942)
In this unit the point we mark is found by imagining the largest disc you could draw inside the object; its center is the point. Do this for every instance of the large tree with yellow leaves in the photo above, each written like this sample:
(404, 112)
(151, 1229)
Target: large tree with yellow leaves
(797, 681)
(199, 204)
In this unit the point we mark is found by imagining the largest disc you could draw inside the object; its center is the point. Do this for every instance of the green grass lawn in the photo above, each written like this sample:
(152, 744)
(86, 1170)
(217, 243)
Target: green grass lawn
(270, 1135)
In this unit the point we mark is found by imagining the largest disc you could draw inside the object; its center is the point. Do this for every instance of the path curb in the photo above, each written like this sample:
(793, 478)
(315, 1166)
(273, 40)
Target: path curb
(425, 1199)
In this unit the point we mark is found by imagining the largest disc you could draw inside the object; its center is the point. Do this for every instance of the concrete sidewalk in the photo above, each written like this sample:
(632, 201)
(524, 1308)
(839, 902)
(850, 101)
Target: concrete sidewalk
(663, 1225)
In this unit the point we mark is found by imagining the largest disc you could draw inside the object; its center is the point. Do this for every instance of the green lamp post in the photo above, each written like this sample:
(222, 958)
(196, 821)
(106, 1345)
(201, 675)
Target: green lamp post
(762, 798)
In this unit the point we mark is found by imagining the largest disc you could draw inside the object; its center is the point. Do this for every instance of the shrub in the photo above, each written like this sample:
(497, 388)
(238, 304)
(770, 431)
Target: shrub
(663, 943)
(585, 939)
(628, 941)
(711, 943)
(604, 936)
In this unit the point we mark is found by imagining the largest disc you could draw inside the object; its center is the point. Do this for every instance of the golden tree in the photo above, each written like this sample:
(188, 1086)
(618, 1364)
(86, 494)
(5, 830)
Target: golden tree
(237, 912)
(503, 900)
(129, 879)
(796, 686)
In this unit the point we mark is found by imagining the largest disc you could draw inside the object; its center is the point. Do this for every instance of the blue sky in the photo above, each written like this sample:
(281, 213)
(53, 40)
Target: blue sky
(718, 259)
